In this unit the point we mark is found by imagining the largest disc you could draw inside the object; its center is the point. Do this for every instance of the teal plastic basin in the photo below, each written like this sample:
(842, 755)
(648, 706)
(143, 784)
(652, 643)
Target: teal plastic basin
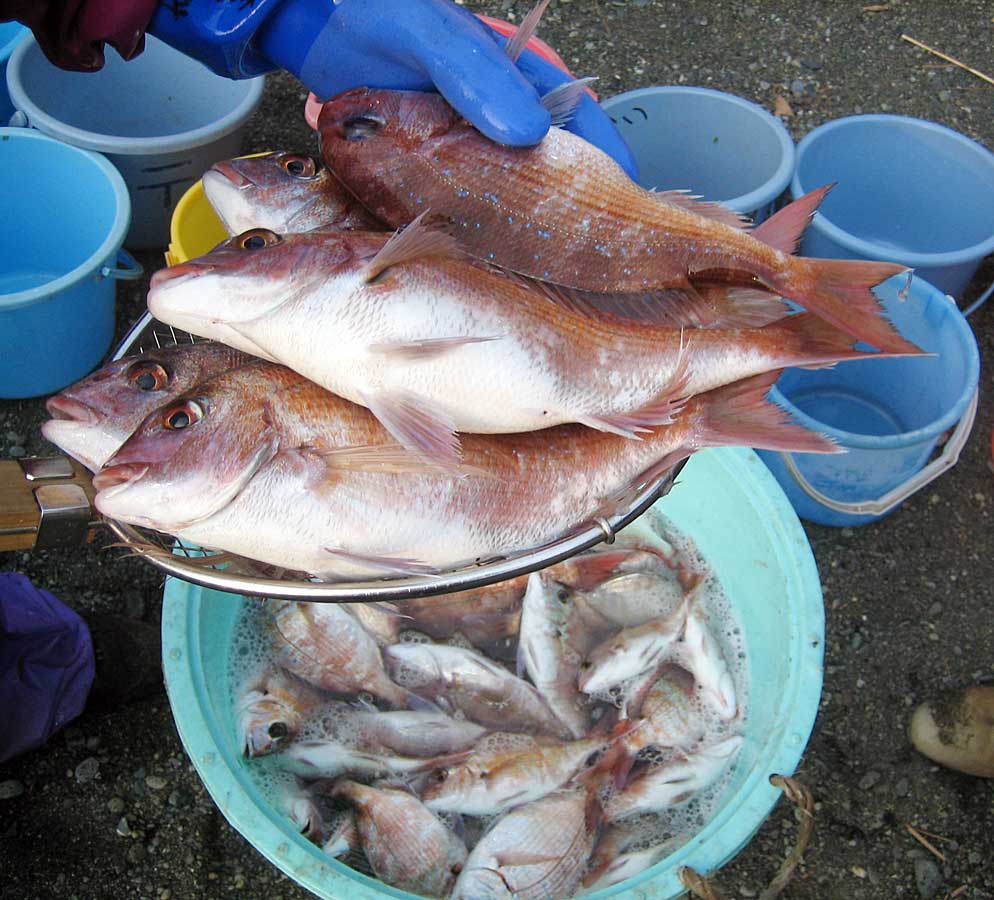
(730, 505)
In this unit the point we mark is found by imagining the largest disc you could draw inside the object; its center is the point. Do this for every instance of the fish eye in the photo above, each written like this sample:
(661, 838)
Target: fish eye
(148, 376)
(455, 868)
(440, 775)
(562, 595)
(362, 126)
(278, 730)
(176, 418)
(258, 238)
(299, 166)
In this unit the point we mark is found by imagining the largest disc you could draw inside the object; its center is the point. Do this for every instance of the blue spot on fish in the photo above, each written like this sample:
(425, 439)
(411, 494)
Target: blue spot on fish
(543, 234)
(490, 255)
(462, 193)
(510, 220)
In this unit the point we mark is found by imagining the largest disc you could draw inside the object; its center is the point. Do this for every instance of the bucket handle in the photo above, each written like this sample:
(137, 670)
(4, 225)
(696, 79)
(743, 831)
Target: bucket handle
(126, 268)
(949, 458)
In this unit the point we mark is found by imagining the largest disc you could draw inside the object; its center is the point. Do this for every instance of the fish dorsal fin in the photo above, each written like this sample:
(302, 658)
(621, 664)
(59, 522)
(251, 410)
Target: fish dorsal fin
(707, 208)
(415, 241)
(525, 31)
(561, 102)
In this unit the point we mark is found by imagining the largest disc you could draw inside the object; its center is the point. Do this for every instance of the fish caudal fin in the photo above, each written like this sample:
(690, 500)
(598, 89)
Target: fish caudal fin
(739, 414)
(820, 343)
(782, 231)
(838, 290)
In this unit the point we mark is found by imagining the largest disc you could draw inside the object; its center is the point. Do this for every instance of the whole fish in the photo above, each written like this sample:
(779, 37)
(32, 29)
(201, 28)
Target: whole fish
(665, 712)
(668, 784)
(94, 416)
(621, 854)
(701, 654)
(273, 709)
(565, 212)
(536, 851)
(545, 652)
(469, 682)
(633, 651)
(629, 599)
(434, 345)
(491, 780)
(262, 463)
(412, 732)
(328, 647)
(283, 191)
(330, 758)
(407, 845)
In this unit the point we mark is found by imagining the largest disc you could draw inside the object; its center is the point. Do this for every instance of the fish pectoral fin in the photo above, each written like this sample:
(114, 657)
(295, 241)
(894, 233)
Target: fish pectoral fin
(523, 858)
(429, 348)
(386, 458)
(415, 241)
(561, 102)
(395, 565)
(707, 208)
(418, 424)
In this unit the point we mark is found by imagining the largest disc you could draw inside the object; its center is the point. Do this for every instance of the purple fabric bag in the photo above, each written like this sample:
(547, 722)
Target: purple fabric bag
(46, 665)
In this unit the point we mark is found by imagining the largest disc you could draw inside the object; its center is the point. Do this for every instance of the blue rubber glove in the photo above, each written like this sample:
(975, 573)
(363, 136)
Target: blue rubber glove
(393, 44)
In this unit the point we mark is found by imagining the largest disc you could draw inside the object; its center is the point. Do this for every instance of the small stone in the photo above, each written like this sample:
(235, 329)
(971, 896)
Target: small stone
(975, 858)
(858, 871)
(123, 828)
(11, 789)
(165, 894)
(812, 64)
(239, 881)
(945, 96)
(92, 742)
(87, 770)
(764, 85)
(857, 641)
(798, 88)
(17, 452)
(156, 782)
(902, 787)
(868, 781)
(116, 805)
(928, 878)
(747, 892)
(935, 609)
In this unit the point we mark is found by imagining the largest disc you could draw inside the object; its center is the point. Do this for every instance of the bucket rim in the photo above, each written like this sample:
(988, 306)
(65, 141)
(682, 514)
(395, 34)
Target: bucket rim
(108, 247)
(16, 36)
(855, 440)
(777, 183)
(203, 738)
(131, 146)
(867, 248)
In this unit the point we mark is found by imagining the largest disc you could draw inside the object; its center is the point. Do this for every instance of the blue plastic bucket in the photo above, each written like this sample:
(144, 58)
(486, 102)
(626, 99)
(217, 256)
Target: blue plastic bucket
(888, 414)
(715, 144)
(743, 525)
(11, 34)
(66, 212)
(163, 119)
(908, 191)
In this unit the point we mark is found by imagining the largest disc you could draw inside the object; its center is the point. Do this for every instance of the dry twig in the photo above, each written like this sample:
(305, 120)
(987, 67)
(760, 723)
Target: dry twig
(948, 58)
(918, 836)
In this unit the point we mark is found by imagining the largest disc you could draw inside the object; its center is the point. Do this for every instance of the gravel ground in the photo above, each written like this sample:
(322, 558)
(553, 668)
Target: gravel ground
(112, 808)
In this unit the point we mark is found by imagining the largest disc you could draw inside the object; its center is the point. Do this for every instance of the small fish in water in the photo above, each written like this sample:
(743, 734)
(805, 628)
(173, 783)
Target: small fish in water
(410, 732)
(469, 682)
(658, 787)
(665, 712)
(273, 709)
(407, 845)
(330, 758)
(283, 191)
(701, 654)
(546, 654)
(565, 212)
(633, 651)
(472, 351)
(620, 854)
(328, 647)
(94, 416)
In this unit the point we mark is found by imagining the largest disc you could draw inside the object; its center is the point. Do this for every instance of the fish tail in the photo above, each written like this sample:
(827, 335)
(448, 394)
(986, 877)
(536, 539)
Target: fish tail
(839, 290)
(819, 343)
(739, 414)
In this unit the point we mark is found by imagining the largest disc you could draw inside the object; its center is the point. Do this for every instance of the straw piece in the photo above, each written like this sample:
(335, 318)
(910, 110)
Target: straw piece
(918, 836)
(948, 58)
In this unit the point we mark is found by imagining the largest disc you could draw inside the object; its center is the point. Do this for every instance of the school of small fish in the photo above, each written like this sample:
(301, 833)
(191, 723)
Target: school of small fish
(489, 761)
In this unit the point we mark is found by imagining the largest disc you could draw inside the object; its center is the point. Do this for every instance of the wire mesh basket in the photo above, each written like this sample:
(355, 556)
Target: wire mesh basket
(226, 572)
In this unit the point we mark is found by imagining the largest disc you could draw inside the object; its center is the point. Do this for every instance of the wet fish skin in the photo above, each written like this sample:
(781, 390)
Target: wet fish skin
(282, 191)
(665, 711)
(701, 654)
(330, 758)
(94, 416)
(328, 647)
(268, 466)
(466, 680)
(413, 732)
(406, 844)
(565, 212)
(613, 860)
(671, 783)
(272, 710)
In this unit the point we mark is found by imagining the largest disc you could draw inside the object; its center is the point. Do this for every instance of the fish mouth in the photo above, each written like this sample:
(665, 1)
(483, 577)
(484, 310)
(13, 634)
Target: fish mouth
(67, 409)
(230, 172)
(174, 275)
(114, 479)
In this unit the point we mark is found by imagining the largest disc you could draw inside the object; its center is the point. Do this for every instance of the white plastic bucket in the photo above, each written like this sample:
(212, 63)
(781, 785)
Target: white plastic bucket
(163, 119)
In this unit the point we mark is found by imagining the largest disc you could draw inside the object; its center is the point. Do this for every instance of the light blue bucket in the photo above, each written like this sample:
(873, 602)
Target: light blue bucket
(909, 191)
(11, 34)
(162, 118)
(744, 527)
(888, 414)
(66, 212)
(715, 144)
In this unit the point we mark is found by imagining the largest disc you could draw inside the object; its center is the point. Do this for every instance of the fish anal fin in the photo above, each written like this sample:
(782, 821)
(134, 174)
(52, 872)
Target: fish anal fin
(707, 208)
(782, 231)
(395, 565)
(417, 424)
(415, 241)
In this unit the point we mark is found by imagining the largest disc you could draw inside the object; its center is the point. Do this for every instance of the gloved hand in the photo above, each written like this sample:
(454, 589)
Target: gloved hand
(395, 44)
